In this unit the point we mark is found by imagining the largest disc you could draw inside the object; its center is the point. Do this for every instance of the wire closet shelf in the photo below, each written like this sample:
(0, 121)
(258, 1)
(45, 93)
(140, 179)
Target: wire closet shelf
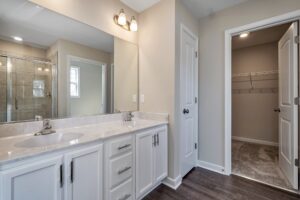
(255, 82)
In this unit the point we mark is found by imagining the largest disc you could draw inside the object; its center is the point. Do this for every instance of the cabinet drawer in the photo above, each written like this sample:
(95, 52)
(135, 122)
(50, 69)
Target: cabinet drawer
(120, 169)
(123, 191)
(119, 146)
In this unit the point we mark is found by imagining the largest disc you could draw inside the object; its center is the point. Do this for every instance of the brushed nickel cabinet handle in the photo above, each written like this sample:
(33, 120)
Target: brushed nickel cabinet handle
(123, 170)
(124, 146)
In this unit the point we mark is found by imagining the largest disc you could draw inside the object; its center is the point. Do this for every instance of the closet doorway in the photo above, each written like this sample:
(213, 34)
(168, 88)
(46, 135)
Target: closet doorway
(264, 114)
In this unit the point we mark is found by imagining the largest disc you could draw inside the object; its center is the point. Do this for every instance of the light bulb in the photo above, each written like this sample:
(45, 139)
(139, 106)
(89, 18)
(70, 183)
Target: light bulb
(133, 24)
(17, 38)
(39, 69)
(244, 35)
(47, 70)
(122, 18)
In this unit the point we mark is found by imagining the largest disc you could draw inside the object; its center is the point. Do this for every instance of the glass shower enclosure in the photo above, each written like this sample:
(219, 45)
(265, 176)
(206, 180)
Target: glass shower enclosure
(27, 89)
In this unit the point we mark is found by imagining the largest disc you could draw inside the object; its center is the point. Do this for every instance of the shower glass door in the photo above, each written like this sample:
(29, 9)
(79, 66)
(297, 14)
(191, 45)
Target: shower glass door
(27, 89)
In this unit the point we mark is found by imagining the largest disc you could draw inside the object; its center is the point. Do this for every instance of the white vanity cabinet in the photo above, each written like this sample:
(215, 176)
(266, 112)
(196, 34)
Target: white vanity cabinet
(120, 168)
(84, 174)
(34, 181)
(151, 159)
(124, 167)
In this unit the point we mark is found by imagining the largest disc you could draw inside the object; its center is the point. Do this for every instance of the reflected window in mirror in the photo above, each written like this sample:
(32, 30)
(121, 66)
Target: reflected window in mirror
(38, 88)
(74, 82)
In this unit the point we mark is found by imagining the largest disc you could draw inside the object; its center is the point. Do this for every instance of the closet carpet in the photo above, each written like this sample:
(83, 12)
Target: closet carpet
(258, 162)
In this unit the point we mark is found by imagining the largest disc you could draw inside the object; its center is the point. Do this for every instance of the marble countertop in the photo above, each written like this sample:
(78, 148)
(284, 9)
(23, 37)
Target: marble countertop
(10, 150)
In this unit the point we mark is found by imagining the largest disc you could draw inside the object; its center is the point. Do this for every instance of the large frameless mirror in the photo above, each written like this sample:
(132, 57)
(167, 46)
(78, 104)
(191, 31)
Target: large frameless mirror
(54, 67)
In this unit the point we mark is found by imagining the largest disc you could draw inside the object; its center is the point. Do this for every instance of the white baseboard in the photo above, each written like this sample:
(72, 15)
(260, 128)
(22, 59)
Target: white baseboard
(255, 141)
(211, 167)
(173, 183)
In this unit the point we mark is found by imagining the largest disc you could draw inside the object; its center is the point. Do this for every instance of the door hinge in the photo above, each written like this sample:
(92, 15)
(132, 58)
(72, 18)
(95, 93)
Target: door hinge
(297, 39)
(196, 100)
(297, 164)
(297, 101)
(196, 145)
(196, 54)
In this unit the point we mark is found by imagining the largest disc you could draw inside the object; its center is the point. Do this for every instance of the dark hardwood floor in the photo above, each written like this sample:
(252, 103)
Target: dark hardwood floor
(206, 185)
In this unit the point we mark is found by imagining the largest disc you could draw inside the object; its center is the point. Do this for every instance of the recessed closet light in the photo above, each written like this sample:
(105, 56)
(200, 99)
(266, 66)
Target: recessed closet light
(244, 35)
(17, 38)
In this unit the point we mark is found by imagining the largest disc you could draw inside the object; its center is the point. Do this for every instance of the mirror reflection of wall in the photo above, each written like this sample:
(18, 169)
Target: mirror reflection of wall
(58, 67)
(126, 75)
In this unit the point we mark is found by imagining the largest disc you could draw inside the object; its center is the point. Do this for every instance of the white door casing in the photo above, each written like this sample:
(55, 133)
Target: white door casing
(188, 100)
(288, 91)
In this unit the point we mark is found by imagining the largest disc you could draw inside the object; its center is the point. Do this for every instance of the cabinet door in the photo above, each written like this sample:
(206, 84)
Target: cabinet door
(144, 162)
(161, 155)
(84, 174)
(36, 181)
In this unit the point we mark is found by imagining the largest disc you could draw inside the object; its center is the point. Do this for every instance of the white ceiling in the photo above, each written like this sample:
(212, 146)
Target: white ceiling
(42, 28)
(203, 8)
(139, 5)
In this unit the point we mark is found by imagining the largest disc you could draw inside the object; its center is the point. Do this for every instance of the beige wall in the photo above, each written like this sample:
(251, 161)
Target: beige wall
(65, 49)
(211, 68)
(252, 113)
(159, 59)
(96, 13)
(157, 66)
(125, 75)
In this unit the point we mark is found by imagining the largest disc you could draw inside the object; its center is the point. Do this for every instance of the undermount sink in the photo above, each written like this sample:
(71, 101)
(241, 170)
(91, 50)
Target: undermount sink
(46, 140)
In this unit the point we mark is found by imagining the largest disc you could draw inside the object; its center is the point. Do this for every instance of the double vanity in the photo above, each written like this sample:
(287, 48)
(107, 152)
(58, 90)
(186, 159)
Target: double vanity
(104, 158)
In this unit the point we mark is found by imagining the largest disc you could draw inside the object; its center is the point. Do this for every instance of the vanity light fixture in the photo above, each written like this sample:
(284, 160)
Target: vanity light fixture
(121, 20)
(39, 69)
(244, 35)
(17, 38)
(133, 24)
(46, 70)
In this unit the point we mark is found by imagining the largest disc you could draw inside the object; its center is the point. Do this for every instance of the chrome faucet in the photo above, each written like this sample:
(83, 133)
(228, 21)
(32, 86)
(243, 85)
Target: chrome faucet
(127, 116)
(47, 128)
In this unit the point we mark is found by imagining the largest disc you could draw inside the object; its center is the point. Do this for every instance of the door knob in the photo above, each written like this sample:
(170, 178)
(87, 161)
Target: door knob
(277, 110)
(186, 111)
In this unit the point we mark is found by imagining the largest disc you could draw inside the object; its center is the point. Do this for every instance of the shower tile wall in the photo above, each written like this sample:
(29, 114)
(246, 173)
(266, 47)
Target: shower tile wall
(25, 106)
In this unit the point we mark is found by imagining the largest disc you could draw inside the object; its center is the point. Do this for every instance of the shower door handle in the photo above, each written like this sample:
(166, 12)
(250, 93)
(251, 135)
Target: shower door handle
(16, 103)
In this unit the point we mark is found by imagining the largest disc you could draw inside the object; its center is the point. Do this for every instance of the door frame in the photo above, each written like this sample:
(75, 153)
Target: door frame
(71, 58)
(270, 22)
(183, 28)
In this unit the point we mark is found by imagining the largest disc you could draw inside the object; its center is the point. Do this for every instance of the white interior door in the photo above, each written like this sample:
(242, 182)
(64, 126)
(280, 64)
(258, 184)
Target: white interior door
(288, 91)
(188, 100)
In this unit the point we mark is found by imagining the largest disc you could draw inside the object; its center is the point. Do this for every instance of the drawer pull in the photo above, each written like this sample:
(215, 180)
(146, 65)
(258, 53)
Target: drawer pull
(124, 170)
(123, 147)
(125, 197)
